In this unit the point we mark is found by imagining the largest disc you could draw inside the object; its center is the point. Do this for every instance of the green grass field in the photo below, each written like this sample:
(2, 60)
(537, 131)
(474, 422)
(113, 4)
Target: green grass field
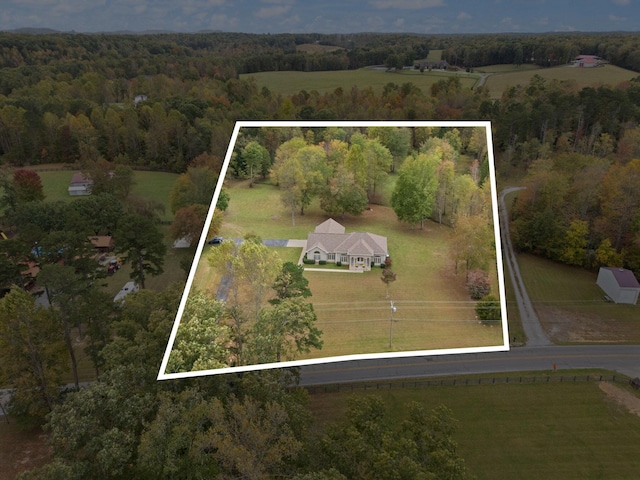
(570, 305)
(583, 77)
(287, 83)
(502, 77)
(529, 432)
(150, 185)
(433, 306)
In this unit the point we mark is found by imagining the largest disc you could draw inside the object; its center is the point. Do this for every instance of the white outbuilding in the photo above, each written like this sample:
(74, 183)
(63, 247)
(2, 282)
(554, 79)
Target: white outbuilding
(619, 284)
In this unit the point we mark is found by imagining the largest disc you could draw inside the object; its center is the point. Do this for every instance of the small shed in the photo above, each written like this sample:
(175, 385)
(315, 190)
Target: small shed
(619, 284)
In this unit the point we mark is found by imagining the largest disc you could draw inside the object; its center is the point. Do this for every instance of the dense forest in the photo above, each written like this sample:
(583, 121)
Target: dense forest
(106, 104)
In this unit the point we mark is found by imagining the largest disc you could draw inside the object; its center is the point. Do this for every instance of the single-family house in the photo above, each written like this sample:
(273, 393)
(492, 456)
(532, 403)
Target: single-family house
(619, 284)
(359, 250)
(588, 61)
(80, 185)
(139, 98)
(102, 243)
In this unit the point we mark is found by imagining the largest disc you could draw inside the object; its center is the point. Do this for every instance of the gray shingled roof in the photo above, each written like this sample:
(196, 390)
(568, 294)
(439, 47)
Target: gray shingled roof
(332, 239)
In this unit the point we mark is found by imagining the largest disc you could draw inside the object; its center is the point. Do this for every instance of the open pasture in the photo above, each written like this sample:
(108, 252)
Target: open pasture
(581, 77)
(148, 185)
(525, 431)
(288, 83)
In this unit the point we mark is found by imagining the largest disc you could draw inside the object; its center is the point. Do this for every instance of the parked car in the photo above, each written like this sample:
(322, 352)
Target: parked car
(215, 241)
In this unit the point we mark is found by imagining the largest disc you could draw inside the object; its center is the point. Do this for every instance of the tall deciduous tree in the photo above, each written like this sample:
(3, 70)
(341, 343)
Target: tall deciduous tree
(196, 186)
(255, 157)
(472, 243)
(290, 283)
(290, 178)
(188, 222)
(27, 186)
(285, 331)
(63, 289)
(366, 444)
(140, 242)
(343, 194)
(620, 202)
(202, 341)
(414, 195)
(252, 268)
(196, 437)
(31, 354)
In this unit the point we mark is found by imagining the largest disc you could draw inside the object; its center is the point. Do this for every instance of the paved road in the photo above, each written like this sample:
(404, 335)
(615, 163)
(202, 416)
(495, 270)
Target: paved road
(530, 323)
(620, 358)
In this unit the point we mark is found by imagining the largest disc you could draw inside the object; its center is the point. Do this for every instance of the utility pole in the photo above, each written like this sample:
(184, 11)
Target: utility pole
(393, 310)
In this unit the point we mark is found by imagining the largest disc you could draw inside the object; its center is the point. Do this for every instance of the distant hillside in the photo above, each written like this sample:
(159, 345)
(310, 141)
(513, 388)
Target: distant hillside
(34, 31)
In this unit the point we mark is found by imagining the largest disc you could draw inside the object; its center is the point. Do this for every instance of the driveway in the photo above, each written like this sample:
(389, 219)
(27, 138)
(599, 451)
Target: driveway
(531, 325)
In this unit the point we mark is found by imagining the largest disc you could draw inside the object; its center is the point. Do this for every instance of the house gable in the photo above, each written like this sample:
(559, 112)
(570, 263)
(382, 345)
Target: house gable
(337, 246)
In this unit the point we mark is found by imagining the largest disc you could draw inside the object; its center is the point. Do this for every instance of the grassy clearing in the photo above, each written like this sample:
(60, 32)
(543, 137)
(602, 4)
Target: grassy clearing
(434, 310)
(583, 77)
(287, 83)
(150, 185)
(434, 55)
(528, 431)
(507, 68)
(570, 305)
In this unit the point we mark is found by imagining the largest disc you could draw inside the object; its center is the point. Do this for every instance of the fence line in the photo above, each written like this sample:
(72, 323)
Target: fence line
(449, 382)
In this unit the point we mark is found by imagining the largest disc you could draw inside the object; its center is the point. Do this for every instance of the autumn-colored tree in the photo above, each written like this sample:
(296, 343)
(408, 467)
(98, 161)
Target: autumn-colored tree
(188, 222)
(31, 355)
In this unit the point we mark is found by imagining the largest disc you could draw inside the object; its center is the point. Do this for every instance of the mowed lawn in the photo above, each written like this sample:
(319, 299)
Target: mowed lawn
(570, 304)
(290, 82)
(531, 431)
(433, 307)
(149, 185)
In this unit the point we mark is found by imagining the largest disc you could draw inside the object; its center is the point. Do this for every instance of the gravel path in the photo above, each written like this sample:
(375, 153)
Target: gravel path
(536, 336)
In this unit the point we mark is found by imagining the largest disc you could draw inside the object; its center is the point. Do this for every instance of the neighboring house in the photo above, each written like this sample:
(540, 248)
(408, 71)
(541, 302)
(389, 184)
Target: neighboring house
(80, 185)
(128, 288)
(139, 98)
(619, 284)
(441, 65)
(102, 243)
(588, 61)
(359, 250)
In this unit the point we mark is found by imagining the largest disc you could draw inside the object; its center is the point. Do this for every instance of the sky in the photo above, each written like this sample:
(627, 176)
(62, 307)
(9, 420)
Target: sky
(323, 16)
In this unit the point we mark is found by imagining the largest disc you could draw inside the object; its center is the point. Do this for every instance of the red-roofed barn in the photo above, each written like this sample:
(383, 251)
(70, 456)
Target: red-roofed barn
(619, 284)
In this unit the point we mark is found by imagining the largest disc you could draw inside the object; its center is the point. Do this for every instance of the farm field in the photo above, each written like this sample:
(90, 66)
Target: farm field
(433, 307)
(583, 77)
(287, 83)
(528, 431)
(500, 77)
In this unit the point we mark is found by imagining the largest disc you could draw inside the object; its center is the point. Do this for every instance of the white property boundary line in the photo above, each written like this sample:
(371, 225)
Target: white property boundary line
(307, 124)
